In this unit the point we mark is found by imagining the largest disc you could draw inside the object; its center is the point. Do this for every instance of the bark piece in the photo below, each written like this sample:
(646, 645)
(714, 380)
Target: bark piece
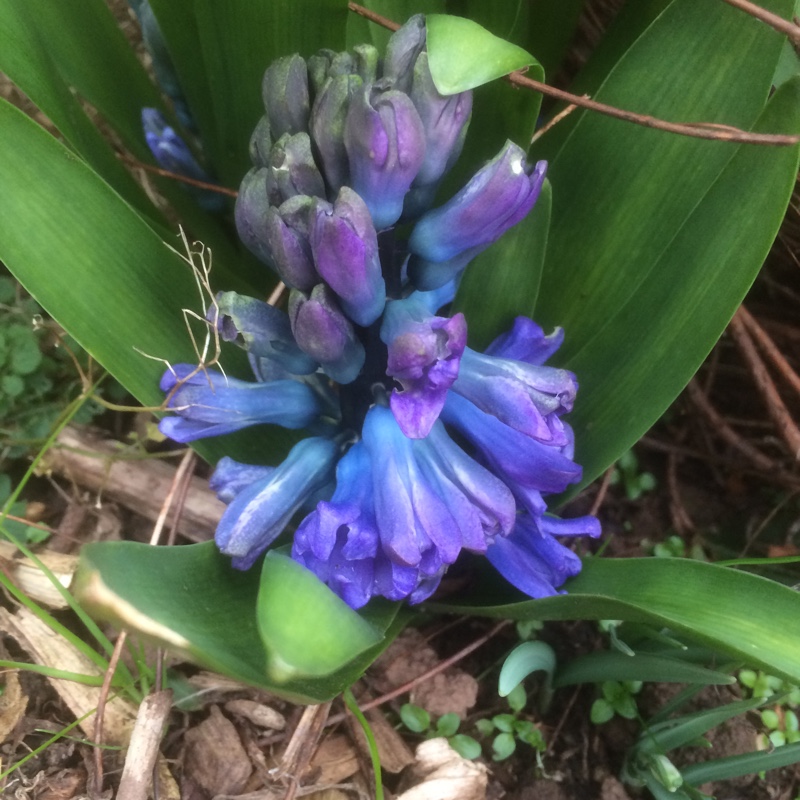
(215, 757)
(259, 714)
(143, 750)
(47, 647)
(13, 703)
(141, 485)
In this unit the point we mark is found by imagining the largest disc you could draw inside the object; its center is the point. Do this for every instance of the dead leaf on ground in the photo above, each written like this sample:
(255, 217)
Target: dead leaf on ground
(13, 703)
(440, 773)
(215, 757)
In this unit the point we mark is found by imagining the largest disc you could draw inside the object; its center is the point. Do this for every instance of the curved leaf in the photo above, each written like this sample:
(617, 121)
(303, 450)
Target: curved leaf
(191, 600)
(463, 55)
(527, 658)
(745, 616)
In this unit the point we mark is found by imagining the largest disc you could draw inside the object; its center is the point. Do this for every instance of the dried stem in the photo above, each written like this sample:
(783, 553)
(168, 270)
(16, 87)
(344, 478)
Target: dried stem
(776, 408)
(698, 130)
(769, 348)
(174, 176)
(440, 667)
(773, 20)
(725, 431)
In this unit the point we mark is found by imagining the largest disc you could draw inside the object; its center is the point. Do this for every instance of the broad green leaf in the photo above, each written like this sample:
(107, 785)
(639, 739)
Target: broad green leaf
(740, 615)
(94, 58)
(463, 55)
(191, 600)
(92, 262)
(655, 238)
(27, 59)
(503, 281)
(632, 368)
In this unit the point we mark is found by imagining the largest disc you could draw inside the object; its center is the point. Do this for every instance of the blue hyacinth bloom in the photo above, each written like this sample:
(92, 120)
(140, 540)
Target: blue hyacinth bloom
(209, 403)
(421, 447)
(424, 354)
(258, 513)
(532, 560)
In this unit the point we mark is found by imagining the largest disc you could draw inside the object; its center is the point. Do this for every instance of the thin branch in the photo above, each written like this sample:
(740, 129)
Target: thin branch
(698, 130)
(174, 176)
(776, 408)
(773, 20)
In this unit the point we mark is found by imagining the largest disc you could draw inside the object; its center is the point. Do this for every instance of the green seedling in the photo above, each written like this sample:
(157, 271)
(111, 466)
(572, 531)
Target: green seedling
(617, 700)
(626, 474)
(418, 720)
(508, 729)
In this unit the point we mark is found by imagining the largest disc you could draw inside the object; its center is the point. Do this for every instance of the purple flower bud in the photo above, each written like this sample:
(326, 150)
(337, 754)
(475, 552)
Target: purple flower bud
(286, 236)
(446, 239)
(424, 356)
(324, 333)
(385, 142)
(402, 51)
(252, 205)
(325, 64)
(292, 170)
(174, 155)
(209, 403)
(345, 247)
(367, 60)
(261, 143)
(260, 512)
(265, 330)
(285, 94)
(445, 119)
(532, 560)
(328, 116)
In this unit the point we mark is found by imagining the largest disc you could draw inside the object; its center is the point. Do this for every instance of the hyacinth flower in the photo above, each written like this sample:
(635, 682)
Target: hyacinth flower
(422, 448)
(208, 403)
(174, 155)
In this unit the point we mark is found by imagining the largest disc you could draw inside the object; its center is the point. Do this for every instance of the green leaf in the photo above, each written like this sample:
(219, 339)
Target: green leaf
(447, 724)
(671, 230)
(722, 769)
(745, 616)
(118, 289)
(191, 600)
(308, 630)
(465, 746)
(463, 55)
(523, 660)
(416, 719)
(615, 666)
(601, 711)
(503, 746)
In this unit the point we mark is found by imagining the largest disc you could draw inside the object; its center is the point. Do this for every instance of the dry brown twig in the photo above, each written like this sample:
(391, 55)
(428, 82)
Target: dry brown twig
(776, 408)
